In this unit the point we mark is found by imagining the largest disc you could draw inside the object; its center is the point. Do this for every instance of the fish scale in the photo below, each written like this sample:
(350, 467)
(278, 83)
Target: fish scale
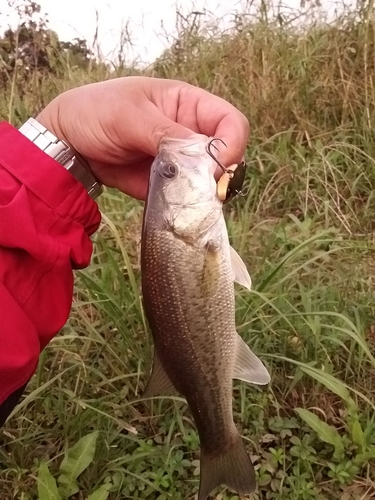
(204, 348)
(188, 268)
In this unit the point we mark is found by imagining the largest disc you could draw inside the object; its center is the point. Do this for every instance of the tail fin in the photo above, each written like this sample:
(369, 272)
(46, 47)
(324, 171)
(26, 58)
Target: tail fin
(233, 468)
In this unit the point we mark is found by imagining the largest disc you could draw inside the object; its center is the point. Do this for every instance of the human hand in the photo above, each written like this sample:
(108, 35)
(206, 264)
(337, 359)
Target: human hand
(117, 125)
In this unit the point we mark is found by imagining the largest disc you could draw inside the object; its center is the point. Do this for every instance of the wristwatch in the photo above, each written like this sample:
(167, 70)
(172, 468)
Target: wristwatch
(62, 153)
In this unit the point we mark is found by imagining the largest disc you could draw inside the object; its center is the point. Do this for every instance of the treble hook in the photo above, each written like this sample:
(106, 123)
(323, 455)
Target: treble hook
(210, 153)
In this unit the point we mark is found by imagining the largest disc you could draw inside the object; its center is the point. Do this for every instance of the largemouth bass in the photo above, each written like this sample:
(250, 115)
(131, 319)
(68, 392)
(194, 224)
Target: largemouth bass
(188, 273)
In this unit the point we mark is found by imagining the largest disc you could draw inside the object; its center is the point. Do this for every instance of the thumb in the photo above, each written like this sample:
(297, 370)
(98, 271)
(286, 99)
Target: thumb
(157, 127)
(160, 127)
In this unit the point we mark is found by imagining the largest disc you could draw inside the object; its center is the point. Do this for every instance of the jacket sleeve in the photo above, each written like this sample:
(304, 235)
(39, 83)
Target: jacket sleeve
(46, 219)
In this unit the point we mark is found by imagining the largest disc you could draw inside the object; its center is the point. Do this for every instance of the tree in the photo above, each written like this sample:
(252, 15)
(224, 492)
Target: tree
(33, 48)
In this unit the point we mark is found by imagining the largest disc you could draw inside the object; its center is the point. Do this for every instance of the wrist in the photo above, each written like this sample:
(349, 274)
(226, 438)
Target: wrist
(51, 117)
(45, 119)
(51, 142)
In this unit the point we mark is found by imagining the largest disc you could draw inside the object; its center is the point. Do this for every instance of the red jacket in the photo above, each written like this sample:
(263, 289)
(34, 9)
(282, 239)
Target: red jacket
(46, 219)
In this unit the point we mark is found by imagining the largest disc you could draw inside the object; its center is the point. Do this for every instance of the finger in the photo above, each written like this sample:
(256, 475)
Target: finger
(208, 114)
(131, 179)
(154, 126)
(235, 138)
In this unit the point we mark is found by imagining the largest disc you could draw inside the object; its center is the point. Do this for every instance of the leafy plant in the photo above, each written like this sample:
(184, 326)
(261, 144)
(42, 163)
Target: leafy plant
(76, 460)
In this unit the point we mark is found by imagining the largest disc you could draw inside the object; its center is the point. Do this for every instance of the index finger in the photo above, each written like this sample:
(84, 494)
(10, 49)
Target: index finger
(211, 115)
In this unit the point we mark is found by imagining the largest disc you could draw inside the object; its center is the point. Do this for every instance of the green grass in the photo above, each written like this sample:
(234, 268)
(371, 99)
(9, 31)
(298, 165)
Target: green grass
(305, 230)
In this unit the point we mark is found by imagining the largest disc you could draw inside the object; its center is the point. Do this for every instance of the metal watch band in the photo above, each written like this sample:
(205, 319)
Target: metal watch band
(62, 153)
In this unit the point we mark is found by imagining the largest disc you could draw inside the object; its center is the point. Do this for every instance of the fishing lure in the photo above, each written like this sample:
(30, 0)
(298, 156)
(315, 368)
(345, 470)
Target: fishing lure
(231, 182)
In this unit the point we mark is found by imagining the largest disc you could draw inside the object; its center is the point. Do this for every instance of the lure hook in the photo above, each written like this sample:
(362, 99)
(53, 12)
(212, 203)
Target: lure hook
(210, 153)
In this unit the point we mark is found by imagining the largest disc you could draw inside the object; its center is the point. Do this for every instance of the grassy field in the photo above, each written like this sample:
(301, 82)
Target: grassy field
(305, 230)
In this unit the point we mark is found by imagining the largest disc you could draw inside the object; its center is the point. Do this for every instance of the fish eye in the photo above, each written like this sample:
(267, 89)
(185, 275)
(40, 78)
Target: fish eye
(169, 170)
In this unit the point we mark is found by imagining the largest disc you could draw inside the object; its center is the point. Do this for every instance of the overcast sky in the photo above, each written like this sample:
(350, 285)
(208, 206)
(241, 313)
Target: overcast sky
(147, 18)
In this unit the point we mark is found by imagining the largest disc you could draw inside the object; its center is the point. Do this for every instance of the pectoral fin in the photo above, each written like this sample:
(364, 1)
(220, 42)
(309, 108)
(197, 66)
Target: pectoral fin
(240, 273)
(249, 367)
(159, 383)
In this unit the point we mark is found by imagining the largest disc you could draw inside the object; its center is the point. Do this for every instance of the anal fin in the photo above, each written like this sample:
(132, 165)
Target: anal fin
(159, 383)
(248, 366)
(233, 468)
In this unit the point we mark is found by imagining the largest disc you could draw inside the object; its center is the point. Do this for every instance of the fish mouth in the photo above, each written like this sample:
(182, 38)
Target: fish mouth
(192, 146)
(199, 204)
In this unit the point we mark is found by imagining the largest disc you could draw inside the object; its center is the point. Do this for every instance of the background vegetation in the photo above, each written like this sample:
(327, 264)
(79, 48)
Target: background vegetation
(306, 231)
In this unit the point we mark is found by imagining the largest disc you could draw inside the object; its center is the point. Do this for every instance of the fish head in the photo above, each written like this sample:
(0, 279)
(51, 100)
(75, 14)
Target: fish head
(183, 186)
(186, 171)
